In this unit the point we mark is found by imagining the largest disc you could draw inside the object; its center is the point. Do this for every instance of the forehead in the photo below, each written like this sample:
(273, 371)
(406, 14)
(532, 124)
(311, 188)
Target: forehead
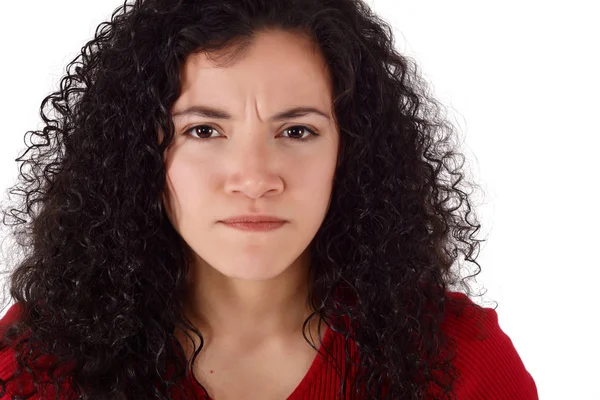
(274, 64)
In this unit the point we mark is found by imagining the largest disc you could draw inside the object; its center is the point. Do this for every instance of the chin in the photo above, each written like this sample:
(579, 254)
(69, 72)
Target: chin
(252, 272)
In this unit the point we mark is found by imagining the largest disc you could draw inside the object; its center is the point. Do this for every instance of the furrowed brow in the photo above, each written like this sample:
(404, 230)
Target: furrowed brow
(215, 113)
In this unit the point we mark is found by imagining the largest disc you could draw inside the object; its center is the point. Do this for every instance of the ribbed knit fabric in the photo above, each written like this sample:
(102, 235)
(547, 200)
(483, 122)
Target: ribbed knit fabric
(488, 365)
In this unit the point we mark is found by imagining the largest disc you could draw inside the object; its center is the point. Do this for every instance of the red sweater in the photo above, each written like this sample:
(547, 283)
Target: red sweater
(488, 368)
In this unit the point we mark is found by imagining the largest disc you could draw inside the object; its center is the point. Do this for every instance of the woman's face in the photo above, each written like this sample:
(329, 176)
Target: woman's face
(249, 161)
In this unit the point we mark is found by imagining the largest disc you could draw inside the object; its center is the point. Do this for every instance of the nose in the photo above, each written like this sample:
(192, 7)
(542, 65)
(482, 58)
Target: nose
(253, 173)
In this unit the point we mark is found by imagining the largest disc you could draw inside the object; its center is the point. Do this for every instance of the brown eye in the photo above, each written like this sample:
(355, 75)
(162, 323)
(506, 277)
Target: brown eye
(298, 131)
(202, 131)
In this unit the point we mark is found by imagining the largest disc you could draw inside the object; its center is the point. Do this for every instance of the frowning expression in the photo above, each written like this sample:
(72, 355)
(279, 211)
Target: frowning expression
(257, 136)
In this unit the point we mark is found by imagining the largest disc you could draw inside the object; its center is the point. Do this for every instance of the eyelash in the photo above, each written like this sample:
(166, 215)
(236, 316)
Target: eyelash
(312, 133)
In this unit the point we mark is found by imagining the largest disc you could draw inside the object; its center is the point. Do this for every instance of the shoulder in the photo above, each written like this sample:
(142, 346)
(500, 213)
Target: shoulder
(8, 362)
(8, 358)
(16, 380)
(487, 362)
(11, 315)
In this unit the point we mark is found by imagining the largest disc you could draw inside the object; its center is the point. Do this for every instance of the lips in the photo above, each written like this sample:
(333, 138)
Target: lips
(255, 226)
(252, 219)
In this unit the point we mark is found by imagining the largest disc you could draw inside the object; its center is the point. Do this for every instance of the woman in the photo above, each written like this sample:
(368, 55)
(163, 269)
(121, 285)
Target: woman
(247, 199)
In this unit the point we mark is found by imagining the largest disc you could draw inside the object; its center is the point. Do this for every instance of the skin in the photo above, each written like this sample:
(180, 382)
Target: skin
(248, 290)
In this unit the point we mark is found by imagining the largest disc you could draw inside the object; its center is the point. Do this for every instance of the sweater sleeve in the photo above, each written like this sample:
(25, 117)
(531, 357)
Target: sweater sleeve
(488, 364)
(8, 361)
(22, 383)
(8, 367)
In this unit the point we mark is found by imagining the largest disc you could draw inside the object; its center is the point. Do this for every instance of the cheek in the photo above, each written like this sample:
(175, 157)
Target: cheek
(312, 184)
(188, 184)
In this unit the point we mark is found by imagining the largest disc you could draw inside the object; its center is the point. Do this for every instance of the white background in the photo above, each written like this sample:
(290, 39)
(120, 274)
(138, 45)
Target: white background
(520, 80)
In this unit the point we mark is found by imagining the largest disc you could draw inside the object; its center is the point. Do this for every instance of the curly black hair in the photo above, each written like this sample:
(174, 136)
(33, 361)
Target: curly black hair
(102, 280)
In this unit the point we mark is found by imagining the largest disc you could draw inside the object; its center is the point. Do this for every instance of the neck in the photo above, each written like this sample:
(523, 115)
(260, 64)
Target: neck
(231, 309)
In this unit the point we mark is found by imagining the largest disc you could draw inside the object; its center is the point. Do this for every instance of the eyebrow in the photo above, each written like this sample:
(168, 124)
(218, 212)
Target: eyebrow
(210, 112)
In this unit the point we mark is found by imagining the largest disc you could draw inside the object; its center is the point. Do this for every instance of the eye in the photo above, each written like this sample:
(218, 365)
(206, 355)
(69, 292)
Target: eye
(297, 132)
(201, 130)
